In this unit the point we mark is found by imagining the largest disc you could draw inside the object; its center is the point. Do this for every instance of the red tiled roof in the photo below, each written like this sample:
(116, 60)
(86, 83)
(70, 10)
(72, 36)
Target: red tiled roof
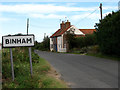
(64, 31)
(55, 33)
(59, 32)
(87, 31)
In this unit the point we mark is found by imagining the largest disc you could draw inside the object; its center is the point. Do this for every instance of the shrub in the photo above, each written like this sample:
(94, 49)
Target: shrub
(108, 34)
(44, 45)
(86, 41)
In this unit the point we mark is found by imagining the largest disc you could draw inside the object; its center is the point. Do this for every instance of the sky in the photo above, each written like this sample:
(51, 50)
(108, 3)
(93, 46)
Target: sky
(45, 16)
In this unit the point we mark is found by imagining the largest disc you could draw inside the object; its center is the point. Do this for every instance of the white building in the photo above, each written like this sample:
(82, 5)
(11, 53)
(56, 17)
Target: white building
(58, 40)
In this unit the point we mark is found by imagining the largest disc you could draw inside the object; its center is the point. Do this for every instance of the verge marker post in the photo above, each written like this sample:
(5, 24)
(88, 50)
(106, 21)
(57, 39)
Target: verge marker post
(11, 56)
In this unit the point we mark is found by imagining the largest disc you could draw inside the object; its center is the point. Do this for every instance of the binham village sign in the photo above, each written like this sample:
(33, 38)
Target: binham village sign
(11, 41)
(18, 41)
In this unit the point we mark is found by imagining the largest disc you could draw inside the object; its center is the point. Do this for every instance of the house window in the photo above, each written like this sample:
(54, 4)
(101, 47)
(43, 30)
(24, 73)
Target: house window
(64, 45)
(51, 45)
(52, 39)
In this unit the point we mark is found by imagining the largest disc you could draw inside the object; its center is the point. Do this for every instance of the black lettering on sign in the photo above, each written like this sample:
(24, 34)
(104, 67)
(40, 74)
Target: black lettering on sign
(23, 40)
(29, 40)
(14, 41)
(18, 40)
(7, 41)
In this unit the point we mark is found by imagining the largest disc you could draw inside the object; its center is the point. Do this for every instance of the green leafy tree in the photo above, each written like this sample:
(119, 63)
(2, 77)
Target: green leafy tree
(108, 34)
(90, 39)
(79, 42)
(44, 45)
(70, 39)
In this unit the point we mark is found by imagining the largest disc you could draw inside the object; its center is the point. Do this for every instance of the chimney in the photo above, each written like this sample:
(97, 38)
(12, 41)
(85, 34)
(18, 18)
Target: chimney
(67, 24)
(62, 26)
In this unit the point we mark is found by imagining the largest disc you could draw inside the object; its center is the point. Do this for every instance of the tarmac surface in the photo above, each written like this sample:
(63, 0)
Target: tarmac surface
(82, 71)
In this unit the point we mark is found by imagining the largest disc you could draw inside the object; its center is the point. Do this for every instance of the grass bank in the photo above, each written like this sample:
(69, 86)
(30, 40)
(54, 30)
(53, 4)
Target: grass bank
(100, 55)
(41, 69)
(93, 51)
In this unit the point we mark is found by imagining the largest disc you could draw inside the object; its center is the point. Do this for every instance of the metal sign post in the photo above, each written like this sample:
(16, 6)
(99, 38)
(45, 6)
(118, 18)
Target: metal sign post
(30, 61)
(11, 56)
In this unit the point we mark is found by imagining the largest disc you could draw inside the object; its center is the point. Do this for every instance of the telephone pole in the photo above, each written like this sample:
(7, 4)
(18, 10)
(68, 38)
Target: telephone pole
(101, 10)
(30, 55)
(44, 35)
(27, 25)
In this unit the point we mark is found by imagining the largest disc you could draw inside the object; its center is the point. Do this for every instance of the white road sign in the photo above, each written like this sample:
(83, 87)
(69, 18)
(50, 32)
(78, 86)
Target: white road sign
(18, 41)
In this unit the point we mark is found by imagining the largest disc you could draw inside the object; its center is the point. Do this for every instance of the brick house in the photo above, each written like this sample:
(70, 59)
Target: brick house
(58, 41)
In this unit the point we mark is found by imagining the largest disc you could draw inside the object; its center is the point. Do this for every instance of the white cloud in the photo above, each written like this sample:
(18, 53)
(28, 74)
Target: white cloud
(41, 8)
(59, 0)
(71, 4)
(86, 16)
(110, 7)
(52, 16)
(2, 19)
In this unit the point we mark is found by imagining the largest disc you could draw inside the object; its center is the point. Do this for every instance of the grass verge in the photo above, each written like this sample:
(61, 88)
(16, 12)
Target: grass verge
(104, 56)
(41, 68)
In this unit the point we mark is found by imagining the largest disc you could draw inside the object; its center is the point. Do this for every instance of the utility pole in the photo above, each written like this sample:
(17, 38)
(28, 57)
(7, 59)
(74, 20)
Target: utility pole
(65, 19)
(101, 10)
(44, 35)
(27, 25)
(30, 56)
(60, 20)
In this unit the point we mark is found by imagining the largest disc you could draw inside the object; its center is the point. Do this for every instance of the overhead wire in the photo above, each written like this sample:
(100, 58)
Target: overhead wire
(36, 26)
(86, 16)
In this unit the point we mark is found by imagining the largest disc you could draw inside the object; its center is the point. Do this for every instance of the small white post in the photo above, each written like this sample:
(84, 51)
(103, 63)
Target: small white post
(11, 56)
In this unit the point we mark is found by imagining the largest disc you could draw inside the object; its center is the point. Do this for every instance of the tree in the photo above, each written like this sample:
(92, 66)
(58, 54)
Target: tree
(70, 39)
(90, 39)
(108, 34)
(44, 45)
(79, 42)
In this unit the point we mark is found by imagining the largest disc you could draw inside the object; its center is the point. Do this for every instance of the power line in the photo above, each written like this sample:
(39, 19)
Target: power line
(86, 16)
(35, 26)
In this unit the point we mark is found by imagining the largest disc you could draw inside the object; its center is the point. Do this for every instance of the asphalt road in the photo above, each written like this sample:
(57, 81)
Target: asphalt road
(83, 71)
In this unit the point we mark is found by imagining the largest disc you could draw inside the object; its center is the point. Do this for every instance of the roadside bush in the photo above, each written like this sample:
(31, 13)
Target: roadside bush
(84, 50)
(86, 41)
(93, 49)
(108, 34)
(80, 42)
(90, 39)
(44, 45)
(41, 69)
(70, 40)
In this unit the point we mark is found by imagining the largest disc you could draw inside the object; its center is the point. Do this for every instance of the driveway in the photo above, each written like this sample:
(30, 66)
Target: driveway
(83, 71)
